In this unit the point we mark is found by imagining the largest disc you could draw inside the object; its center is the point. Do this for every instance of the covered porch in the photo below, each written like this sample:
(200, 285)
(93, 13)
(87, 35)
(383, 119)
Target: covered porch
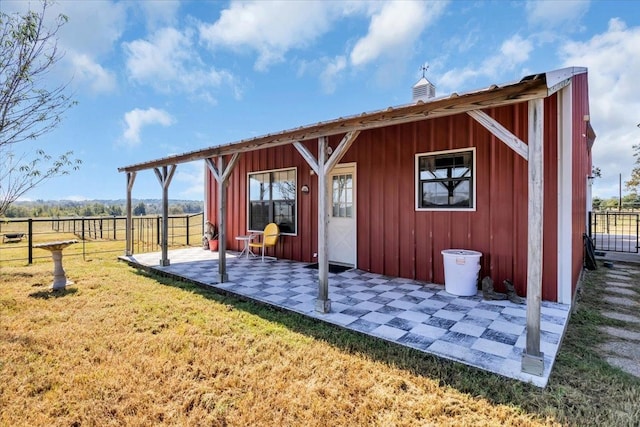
(489, 335)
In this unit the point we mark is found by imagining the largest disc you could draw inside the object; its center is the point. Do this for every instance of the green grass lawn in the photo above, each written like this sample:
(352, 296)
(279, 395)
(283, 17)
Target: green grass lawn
(120, 347)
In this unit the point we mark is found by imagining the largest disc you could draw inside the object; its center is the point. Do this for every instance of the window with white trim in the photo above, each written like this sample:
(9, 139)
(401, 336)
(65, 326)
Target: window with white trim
(445, 180)
(272, 198)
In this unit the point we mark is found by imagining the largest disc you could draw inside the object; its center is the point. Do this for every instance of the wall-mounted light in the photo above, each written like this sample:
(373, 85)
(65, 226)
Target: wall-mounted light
(304, 188)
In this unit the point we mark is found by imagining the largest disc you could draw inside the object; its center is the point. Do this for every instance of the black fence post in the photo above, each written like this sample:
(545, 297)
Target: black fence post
(82, 228)
(591, 224)
(637, 232)
(30, 241)
(158, 230)
(188, 230)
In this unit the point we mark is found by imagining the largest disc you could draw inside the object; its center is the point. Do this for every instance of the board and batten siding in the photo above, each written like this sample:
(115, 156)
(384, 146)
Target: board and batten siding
(393, 238)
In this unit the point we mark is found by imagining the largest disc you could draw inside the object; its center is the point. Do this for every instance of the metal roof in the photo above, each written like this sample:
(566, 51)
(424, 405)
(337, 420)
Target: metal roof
(534, 86)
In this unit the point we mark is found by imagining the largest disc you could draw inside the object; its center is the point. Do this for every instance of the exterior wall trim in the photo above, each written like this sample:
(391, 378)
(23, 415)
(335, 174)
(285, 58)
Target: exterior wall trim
(353, 165)
(565, 193)
(294, 168)
(417, 181)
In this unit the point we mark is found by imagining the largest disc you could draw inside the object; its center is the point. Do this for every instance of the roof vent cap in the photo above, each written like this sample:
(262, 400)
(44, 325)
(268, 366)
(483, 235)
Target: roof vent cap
(424, 89)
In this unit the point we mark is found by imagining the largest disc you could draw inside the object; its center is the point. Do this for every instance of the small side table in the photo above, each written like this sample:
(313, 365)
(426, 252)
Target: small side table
(59, 276)
(245, 250)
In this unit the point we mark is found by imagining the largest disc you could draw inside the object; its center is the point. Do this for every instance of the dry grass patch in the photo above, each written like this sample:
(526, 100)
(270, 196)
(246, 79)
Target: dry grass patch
(122, 348)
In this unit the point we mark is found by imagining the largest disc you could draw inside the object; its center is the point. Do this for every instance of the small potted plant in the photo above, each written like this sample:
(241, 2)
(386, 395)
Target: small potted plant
(211, 234)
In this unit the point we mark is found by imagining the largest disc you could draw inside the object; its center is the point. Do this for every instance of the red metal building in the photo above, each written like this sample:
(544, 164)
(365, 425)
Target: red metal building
(502, 170)
(437, 174)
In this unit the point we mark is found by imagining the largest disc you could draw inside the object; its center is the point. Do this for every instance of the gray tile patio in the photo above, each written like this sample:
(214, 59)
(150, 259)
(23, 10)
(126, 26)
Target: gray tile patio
(489, 335)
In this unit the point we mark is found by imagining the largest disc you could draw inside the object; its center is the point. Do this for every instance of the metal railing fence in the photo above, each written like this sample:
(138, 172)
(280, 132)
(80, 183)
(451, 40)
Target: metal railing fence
(106, 234)
(615, 231)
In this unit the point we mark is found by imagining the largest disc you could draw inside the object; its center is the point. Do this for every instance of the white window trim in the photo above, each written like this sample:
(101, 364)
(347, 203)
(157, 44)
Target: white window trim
(248, 200)
(416, 189)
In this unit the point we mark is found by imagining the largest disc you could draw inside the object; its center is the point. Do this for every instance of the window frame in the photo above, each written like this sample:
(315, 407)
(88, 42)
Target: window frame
(472, 189)
(248, 199)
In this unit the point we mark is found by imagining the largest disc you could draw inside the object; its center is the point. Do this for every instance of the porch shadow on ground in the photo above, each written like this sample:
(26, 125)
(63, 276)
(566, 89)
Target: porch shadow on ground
(489, 335)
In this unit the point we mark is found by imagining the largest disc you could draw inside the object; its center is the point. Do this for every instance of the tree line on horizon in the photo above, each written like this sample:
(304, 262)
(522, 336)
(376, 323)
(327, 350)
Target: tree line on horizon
(629, 202)
(68, 208)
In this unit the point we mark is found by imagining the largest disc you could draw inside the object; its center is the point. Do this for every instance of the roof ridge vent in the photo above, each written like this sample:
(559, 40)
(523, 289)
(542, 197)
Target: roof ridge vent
(423, 89)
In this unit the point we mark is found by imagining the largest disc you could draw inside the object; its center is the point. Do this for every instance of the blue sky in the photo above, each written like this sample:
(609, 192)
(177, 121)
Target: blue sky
(156, 78)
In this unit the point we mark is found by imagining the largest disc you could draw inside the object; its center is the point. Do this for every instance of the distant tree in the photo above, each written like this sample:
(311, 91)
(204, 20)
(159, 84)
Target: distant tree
(87, 211)
(28, 107)
(609, 204)
(140, 209)
(115, 210)
(634, 182)
(18, 212)
(631, 201)
(176, 210)
(596, 203)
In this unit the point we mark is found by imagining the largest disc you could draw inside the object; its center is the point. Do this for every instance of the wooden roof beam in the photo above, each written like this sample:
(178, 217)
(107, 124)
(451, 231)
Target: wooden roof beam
(500, 132)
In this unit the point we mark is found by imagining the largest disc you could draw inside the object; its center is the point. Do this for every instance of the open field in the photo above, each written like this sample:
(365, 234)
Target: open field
(122, 348)
(96, 235)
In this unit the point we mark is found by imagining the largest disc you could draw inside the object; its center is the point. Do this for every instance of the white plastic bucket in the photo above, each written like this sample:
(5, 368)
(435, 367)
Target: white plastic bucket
(461, 268)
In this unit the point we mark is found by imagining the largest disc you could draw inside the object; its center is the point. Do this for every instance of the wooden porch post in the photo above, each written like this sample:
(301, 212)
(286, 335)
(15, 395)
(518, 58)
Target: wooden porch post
(221, 174)
(131, 177)
(323, 303)
(323, 167)
(222, 225)
(532, 358)
(164, 177)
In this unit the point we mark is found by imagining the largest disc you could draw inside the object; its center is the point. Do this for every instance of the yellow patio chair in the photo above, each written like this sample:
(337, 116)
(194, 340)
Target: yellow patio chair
(269, 239)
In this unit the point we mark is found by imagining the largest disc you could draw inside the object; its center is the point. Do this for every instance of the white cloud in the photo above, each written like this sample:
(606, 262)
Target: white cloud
(394, 29)
(88, 37)
(552, 14)
(86, 71)
(332, 72)
(159, 12)
(93, 27)
(273, 29)
(137, 119)
(513, 52)
(169, 62)
(516, 50)
(270, 28)
(191, 176)
(613, 59)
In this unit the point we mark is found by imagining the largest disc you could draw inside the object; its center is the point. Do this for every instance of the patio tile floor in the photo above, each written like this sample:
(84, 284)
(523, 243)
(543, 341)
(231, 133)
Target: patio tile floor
(489, 335)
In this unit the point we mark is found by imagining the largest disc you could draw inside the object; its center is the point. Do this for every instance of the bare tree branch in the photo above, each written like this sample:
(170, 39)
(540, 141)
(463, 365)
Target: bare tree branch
(29, 108)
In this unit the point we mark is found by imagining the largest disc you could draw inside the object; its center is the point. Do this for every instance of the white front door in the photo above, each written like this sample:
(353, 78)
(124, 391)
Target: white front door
(342, 214)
